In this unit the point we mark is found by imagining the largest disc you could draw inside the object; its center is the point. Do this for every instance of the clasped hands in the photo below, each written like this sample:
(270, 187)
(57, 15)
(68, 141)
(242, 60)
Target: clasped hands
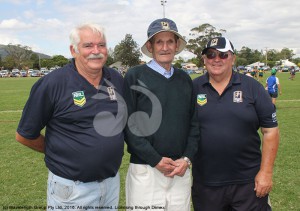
(170, 168)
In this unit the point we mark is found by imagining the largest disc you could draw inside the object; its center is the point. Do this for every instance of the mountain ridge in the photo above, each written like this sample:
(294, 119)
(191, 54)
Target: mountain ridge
(4, 53)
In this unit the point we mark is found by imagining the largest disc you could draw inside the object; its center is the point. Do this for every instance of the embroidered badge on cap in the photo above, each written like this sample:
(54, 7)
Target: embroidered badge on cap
(79, 98)
(165, 25)
(201, 99)
(238, 97)
(214, 42)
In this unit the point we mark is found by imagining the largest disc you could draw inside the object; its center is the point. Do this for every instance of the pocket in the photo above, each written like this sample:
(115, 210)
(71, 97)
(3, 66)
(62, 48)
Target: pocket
(139, 169)
(61, 191)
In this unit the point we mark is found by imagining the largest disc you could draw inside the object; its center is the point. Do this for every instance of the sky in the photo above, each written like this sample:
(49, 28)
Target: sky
(44, 25)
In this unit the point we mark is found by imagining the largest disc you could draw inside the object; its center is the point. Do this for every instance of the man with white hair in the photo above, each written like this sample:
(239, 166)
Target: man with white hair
(83, 144)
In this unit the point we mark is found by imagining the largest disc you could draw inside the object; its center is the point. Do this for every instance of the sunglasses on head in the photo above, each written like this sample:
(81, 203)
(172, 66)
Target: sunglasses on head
(214, 54)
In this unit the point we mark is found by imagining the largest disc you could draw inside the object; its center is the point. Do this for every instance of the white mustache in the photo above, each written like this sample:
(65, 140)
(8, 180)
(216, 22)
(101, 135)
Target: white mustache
(96, 56)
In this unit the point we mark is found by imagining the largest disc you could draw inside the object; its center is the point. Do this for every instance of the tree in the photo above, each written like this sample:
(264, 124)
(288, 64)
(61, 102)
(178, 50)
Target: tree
(241, 61)
(286, 53)
(35, 61)
(273, 55)
(201, 35)
(19, 54)
(110, 60)
(296, 61)
(127, 52)
(248, 56)
(59, 60)
(195, 61)
(56, 60)
(177, 64)
(9, 62)
(1, 63)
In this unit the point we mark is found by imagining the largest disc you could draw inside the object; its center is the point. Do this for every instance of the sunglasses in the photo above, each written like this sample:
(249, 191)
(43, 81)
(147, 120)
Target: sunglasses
(213, 55)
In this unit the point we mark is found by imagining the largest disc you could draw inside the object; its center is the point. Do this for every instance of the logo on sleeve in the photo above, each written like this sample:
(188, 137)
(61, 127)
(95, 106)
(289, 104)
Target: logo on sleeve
(201, 99)
(274, 118)
(79, 98)
(238, 97)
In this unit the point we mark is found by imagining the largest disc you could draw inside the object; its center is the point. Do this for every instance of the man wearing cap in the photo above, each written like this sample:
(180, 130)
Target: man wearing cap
(230, 172)
(273, 86)
(162, 131)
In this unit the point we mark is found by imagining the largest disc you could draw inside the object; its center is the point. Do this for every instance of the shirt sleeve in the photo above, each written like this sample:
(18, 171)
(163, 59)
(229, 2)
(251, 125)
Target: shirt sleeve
(37, 111)
(137, 145)
(265, 109)
(194, 132)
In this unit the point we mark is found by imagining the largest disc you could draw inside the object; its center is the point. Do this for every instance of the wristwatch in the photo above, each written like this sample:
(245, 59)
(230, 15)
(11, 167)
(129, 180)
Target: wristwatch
(187, 160)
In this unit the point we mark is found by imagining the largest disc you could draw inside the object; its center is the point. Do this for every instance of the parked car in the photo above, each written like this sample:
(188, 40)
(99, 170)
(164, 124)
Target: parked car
(4, 73)
(45, 72)
(52, 68)
(15, 73)
(35, 73)
(23, 73)
(285, 69)
(189, 71)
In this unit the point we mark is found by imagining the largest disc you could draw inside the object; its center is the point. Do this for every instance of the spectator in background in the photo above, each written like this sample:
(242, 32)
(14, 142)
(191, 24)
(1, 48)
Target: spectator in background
(292, 73)
(273, 86)
(260, 74)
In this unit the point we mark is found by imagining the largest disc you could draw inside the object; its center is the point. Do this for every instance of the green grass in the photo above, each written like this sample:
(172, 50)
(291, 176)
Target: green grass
(23, 174)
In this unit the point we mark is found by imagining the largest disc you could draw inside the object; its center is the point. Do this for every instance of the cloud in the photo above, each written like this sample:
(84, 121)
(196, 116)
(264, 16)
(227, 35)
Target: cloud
(5, 39)
(13, 24)
(254, 24)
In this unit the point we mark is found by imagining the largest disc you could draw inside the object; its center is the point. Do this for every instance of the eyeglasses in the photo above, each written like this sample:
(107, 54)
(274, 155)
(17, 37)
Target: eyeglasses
(214, 54)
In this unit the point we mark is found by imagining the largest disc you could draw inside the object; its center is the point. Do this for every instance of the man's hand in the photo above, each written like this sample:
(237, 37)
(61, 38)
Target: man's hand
(180, 169)
(166, 165)
(263, 184)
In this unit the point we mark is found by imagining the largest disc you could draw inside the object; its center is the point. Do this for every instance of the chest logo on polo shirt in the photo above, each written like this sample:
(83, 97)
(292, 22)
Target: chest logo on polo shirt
(79, 98)
(111, 93)
(201, 99)
(238, 97)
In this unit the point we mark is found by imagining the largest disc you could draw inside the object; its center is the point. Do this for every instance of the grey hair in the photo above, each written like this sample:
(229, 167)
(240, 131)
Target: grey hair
(75, 33)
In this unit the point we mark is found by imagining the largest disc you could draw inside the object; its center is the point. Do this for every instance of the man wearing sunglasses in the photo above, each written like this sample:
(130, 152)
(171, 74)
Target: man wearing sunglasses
(230, 172)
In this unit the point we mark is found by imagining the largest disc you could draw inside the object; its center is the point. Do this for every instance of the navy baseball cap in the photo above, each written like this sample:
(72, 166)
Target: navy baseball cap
(163, 25)
(219, 43)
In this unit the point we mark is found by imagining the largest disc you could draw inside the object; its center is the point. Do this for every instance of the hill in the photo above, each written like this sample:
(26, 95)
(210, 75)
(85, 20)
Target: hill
(4, 53)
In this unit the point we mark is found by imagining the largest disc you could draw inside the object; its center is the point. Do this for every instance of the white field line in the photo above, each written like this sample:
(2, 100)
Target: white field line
(17, 111)
(11, 111)
(297, 100)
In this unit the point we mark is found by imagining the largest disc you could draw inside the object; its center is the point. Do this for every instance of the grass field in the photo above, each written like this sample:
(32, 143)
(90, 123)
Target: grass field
(23, 173)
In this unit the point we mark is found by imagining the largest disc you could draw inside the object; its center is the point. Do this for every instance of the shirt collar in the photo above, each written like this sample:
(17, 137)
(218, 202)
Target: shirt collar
(156, 67)
(105, 70)
(235, 79)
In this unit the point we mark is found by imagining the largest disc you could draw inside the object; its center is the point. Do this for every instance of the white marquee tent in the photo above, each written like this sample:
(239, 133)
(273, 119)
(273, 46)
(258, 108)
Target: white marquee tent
(287, 63)
(256, 64)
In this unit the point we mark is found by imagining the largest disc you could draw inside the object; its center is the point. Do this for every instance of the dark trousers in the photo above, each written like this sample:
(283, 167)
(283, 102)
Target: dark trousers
(228, 198)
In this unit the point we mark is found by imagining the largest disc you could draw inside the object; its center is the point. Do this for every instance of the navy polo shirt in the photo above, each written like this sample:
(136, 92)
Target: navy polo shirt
(84, 138)
(229, 146)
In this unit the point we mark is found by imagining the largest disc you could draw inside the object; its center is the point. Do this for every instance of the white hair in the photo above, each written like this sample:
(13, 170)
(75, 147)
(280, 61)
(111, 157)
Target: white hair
(75, 33)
